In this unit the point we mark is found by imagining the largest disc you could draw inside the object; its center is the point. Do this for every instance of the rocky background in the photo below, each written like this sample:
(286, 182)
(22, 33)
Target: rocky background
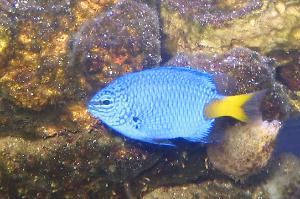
(55, 54)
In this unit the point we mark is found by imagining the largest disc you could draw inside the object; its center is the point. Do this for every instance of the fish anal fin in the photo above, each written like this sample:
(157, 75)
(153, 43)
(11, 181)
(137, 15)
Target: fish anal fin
(164, 142)
(245, 107)
(203, 139)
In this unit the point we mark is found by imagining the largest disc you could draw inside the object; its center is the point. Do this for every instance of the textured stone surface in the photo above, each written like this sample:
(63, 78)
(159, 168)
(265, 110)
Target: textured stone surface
(208, 12)
(206, 190)
(284, 179)
(55, 54)
(246, 71)
(177, 167)
(125, 39)
(289, 74)
(5, 41)
(245, 149)
(50, 146)
(294, 100)
(251, 70)
(37, 75)
(204, 26)
(69, 164)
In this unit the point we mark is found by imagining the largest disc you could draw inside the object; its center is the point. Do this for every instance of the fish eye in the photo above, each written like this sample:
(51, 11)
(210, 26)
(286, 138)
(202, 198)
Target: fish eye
(106, 102)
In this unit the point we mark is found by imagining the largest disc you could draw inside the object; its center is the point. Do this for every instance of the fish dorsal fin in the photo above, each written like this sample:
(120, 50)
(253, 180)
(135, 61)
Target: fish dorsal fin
(207, 78)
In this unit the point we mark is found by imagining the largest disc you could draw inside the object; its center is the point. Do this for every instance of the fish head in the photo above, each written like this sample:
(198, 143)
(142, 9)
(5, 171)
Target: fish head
(110, 105)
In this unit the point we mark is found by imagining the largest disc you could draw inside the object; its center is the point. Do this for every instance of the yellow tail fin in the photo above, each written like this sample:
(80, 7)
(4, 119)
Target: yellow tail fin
(242, 107)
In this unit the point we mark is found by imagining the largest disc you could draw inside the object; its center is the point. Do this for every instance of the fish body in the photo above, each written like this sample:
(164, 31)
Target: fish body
(159, 104)
(288, 138)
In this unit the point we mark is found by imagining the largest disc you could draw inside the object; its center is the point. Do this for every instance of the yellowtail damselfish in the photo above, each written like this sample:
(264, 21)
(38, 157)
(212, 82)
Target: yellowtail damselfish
(159, 104)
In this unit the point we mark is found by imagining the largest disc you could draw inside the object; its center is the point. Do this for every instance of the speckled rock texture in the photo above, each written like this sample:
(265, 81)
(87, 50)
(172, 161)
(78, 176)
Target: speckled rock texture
(50, 146)
(284, 179)
(5, 40)
(206, 190)
(289, 73)
(125, 39)
(245, 149)
(69, 165)
(242, 71)
(217, 26)
(54, 55)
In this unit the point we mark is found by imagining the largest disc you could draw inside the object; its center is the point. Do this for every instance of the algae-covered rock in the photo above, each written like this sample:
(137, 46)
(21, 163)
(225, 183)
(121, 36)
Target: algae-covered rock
(124, 39)
(5, 41)
(251, 70)
(284, 179)
(247, 71)
(176, 167)
(294, 100)
(37, 75)
(54, 54)
(84, 10)
(290, 75)
(245, 149)
(206, 190)
(69, 165)
(217, 26)
(50, 146)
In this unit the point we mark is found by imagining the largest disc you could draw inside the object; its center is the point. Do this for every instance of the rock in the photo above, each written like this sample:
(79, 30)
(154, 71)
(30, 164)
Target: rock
(287, 73)
(206, 190)
(5, 41)
(50, 146)
(86, 10)
(176, 167)
(248, 71)
(3, 118)
(37, 75)
(251, 70)
(69, 164)
(77, 114)
(124, 39)
(54, 54)
(283, 181)
(245, 149)
(216, 27)
(294, 100)
(275, 105)
(290, 75)
(205, 12)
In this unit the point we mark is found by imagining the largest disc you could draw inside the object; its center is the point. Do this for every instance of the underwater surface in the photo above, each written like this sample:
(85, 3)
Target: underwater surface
(55, 55)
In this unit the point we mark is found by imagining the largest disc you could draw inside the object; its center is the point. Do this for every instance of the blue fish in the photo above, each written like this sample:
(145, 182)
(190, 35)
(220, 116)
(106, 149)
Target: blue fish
(164, 103)
(288, 139)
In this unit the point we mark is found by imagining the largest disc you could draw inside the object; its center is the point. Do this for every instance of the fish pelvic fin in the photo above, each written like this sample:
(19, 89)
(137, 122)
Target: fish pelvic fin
(245, 107)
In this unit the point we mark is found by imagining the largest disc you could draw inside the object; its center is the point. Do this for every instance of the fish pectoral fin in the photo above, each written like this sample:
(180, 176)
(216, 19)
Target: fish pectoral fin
(245, 107)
